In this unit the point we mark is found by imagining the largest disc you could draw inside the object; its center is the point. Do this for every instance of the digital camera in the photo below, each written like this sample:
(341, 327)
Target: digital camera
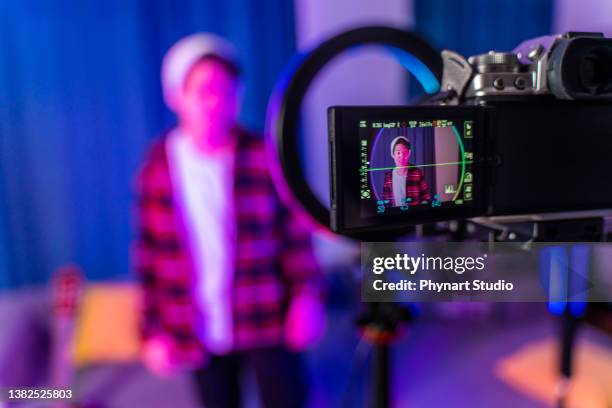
(518, 135)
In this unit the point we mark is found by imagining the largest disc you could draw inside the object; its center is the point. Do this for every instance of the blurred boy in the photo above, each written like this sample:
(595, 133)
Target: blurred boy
(229, 278)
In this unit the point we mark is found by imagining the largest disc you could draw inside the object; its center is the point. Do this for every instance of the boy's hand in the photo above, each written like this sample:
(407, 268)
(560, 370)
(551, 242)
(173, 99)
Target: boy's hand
(157, 356)
(305, 322)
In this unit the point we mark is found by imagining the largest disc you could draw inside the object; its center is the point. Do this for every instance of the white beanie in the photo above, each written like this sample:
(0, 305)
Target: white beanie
(181, 57)
(394, 142)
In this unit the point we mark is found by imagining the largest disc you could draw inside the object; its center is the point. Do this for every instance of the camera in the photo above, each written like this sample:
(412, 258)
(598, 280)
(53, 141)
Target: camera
(521, 135)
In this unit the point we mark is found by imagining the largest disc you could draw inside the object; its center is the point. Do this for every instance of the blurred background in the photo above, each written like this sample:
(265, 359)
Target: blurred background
(80, 102)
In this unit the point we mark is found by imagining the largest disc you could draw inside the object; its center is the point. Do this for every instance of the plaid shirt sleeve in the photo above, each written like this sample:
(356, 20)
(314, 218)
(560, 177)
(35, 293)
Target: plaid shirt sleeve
(424, 194)
(162, 265)
(143, 256)
(387, 193)
(297, 260)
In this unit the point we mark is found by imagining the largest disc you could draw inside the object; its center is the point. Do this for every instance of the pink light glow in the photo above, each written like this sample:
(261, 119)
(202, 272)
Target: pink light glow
(283, 190)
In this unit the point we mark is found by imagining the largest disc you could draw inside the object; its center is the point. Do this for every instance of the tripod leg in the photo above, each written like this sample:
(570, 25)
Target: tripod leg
(569, 328)
(380, 381)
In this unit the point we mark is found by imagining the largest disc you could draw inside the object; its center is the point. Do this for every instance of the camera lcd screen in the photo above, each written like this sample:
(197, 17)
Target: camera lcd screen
(414, 165)
(403, 165)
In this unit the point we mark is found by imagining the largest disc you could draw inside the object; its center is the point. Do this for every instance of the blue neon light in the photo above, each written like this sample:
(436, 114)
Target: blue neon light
(426, 78)
(579, 279)
(554, 275)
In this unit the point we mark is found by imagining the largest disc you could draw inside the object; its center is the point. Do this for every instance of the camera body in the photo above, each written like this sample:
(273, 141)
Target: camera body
(520, 135)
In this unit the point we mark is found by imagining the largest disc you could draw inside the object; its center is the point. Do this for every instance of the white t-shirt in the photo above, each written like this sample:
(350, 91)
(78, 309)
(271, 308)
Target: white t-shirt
(203, 186)
(399, 188)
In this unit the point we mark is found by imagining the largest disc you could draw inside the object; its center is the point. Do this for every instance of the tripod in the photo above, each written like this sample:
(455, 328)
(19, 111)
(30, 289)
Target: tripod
(380, 324)
(381, 321)
(571, 230)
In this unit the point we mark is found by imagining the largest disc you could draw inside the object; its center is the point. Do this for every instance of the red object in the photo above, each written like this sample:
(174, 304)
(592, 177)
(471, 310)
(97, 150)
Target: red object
(67, 286)
(274, 256)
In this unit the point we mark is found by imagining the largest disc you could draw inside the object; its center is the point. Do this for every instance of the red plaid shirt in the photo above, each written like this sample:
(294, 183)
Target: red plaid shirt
(274, 259)
(416, 187)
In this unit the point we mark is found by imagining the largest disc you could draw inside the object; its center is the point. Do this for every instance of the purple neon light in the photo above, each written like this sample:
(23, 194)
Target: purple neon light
(371, 160)
(283, 190)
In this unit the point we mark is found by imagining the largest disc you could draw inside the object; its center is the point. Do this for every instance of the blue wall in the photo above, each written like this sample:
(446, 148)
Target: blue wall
(472, 27)
(79, 102)
(477, 26)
